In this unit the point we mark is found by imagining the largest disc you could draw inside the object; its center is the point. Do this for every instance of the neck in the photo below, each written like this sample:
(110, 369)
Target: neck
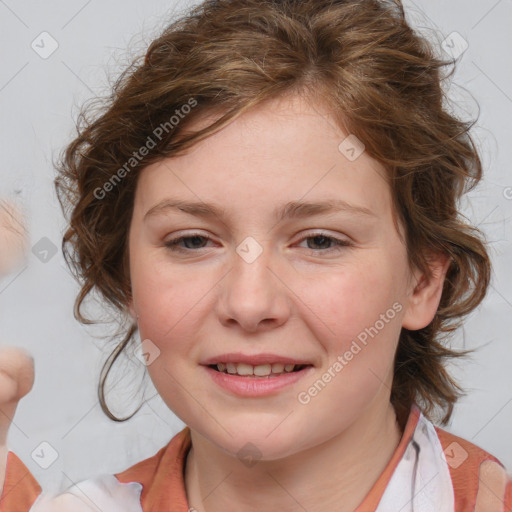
(336, 475)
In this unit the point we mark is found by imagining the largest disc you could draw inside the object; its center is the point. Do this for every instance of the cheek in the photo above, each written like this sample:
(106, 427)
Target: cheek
(356, 317)
(169, 300)
(345, 303)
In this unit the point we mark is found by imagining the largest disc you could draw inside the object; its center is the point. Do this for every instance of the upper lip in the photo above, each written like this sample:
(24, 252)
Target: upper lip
(254, 360)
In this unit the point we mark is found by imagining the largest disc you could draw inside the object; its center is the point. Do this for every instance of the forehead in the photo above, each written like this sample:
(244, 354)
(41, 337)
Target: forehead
(284, 150)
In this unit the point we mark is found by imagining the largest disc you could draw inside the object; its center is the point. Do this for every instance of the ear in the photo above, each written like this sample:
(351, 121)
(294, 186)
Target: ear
(426, 292)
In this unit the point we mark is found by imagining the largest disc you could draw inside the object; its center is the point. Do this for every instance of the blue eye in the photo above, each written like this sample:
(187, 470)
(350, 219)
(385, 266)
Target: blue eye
(173, 244)
(195, 241)
(321, 239)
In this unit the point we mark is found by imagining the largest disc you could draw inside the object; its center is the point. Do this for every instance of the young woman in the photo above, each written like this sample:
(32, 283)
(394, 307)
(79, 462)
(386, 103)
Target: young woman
(270, 197)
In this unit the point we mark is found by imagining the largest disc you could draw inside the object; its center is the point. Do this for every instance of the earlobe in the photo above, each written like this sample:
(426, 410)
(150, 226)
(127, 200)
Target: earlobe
(425, 296)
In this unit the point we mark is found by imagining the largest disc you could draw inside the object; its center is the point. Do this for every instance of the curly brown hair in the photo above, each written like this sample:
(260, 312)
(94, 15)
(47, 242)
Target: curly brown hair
(382, 82)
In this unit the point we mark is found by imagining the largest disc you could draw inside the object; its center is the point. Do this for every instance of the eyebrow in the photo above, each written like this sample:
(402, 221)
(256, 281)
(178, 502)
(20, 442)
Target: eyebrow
(290, 210)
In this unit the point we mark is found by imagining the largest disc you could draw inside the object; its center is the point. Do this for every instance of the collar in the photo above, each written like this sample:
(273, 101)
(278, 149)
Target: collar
(162, 476)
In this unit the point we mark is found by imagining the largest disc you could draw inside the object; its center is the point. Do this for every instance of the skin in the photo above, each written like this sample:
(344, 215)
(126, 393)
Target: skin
(16, 365)
(13, 236)
(16, 380)
(301, 297)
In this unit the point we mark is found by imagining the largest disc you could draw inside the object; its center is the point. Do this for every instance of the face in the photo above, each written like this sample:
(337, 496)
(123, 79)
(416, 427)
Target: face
(326, 288)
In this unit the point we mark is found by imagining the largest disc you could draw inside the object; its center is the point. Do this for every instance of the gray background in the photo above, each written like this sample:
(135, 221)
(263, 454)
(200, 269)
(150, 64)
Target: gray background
(38, 104)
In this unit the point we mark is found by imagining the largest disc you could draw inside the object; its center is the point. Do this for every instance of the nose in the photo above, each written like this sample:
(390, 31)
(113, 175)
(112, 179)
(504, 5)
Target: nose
(254, 296)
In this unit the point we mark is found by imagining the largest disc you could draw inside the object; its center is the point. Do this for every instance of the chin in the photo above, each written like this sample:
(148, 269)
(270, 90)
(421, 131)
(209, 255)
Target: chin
(256, 439)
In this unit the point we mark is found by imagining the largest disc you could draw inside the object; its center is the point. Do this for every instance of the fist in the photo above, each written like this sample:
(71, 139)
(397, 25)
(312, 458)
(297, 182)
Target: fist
(16, 380)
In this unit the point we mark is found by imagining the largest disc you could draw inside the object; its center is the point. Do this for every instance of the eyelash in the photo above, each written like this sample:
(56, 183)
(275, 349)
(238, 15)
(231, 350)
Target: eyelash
(172, 244)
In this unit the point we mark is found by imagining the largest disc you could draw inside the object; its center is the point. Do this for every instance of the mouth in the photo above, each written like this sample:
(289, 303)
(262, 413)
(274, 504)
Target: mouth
(256, 376)
(262, 371)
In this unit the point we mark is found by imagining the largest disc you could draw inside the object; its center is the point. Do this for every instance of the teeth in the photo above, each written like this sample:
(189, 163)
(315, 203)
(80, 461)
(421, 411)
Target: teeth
(245, 369)
(262, 370)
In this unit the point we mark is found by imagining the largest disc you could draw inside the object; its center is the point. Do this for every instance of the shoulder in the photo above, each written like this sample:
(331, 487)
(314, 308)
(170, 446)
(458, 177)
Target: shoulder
(157, 478)
(480, 481)
(161, 476)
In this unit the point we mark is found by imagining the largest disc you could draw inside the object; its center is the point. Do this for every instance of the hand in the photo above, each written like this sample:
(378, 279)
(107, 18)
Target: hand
(16, 380)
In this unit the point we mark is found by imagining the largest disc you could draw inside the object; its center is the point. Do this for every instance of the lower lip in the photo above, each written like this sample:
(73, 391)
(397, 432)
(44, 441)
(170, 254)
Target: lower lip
(256, 386)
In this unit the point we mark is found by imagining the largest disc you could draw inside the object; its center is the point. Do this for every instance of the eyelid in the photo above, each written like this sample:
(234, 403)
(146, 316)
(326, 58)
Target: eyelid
(339, 243)
(177, 237)
(321, 232)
